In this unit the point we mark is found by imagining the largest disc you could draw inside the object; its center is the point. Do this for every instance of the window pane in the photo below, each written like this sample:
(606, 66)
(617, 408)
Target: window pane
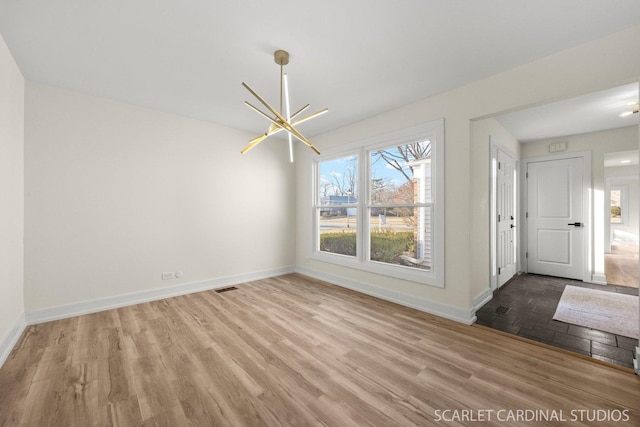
(338, 231)
(337, 210)
(402, 174)
(616, 206)
(338, 181)
(401, 236)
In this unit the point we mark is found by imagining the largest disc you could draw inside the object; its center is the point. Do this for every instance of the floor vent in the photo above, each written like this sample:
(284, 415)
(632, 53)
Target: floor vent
(502, 310)
(230, 288)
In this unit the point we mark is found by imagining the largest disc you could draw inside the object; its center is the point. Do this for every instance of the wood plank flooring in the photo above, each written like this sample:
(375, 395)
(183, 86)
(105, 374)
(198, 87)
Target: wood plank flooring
(621, 265)
(292, 351)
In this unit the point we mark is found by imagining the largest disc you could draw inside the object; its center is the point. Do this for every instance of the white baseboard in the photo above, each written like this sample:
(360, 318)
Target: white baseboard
(428, 306)
(86, 307)
(599, 279)
(11, 338)
(482, 299)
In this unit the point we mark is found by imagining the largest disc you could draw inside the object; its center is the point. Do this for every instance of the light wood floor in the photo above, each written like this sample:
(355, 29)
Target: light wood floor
(621, 266)
(290, 351)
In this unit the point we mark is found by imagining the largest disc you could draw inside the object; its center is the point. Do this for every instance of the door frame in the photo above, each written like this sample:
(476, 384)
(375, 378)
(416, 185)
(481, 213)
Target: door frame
(587, 200)
(495, 145)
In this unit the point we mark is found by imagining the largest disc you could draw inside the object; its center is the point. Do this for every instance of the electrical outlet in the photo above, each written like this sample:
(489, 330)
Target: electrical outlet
(179, 273)
(167, 276)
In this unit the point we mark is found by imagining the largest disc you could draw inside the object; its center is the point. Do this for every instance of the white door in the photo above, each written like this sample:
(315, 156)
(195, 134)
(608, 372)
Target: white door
(506, 211)
(555, 218)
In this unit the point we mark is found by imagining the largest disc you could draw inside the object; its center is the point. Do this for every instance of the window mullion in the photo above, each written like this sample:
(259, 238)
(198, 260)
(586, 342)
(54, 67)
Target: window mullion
(363, 220)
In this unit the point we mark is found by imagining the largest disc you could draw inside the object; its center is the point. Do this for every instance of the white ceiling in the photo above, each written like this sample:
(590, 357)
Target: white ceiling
(583, 114)
(357, 57)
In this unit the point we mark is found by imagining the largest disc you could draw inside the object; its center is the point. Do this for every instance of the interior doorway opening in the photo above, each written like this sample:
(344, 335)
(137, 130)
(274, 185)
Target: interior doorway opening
(622, 218)
(527, 304)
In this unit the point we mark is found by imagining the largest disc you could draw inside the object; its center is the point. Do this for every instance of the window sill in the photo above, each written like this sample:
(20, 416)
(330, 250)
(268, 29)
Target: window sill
(422, 277)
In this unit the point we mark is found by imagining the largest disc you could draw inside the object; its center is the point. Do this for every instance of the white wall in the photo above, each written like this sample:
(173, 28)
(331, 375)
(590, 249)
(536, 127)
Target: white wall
(118, 194)
(593, 66)
(621, 171)
(11, 201)
(598, 143)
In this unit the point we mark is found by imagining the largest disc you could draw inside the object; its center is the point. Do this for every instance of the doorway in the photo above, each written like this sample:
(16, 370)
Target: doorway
(549, 136)
(622, 218)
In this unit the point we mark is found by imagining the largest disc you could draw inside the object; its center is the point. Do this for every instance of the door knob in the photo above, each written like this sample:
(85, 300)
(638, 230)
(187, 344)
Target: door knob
(576, 224)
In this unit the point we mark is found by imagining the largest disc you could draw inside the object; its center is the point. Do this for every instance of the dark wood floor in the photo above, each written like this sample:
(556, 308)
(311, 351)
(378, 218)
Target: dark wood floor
(525, 306)
(292, 351)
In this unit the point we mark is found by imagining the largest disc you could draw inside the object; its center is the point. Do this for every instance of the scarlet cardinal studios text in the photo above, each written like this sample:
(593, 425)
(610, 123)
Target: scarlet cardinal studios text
(531, 415)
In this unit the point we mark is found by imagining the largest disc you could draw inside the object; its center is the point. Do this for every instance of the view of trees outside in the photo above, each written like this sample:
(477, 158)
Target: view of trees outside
(339, 177)
(338, 216)
(399, 210)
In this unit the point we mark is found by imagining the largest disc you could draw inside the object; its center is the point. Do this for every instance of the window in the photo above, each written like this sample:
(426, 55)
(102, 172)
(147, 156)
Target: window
(617, 200)
(379, 205)
(399, 209)
(338, 205)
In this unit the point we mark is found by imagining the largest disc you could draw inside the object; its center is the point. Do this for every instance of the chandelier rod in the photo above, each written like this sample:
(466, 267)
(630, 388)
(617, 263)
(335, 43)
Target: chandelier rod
(282, 120)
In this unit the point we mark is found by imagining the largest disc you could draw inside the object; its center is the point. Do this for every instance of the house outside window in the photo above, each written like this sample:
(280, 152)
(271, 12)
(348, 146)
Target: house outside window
(401, 200)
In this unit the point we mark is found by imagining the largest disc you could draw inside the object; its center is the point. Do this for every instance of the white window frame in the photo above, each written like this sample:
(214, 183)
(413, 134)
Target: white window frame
(433, 131)
(623, 188)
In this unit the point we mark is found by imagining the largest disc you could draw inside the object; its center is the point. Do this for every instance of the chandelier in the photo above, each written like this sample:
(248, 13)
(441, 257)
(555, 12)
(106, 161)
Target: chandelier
(281, 120)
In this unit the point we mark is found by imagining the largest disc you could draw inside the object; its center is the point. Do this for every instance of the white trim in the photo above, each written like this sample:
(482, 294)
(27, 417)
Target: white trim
(598, 279)
(108, 303)
(466, 316)
(11, 338)
(587, 206)
(493, 228)
(482, 299)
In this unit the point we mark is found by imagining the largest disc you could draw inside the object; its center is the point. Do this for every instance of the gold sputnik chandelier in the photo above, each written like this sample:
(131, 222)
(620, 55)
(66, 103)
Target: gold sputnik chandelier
(281, 120)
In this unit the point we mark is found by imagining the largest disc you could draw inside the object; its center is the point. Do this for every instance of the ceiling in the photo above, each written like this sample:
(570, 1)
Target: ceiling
(359, 58)
(583, 114)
